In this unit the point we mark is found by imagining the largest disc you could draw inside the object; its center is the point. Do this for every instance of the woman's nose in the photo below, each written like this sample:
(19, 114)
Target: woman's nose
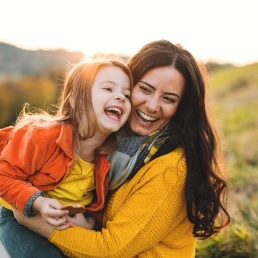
(152, 104)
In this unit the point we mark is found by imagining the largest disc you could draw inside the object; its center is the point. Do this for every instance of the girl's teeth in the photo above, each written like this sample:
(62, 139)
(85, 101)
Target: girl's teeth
(118, 111)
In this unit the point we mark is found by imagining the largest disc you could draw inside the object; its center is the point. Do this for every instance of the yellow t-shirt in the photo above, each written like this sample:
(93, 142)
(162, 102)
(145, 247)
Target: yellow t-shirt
(75, 189)
(5, 204)
(77, 186)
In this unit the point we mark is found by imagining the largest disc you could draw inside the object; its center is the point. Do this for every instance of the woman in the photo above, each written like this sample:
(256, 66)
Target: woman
(177, 195)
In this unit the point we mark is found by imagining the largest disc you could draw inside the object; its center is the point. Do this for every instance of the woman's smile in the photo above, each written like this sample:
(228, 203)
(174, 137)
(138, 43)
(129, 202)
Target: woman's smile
(155, 99)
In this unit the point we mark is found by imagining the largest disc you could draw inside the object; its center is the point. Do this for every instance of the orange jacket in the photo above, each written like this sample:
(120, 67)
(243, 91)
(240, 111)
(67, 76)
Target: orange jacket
(35, 159)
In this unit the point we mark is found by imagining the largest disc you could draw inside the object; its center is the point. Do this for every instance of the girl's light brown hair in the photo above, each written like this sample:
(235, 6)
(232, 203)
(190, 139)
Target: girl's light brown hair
(77, 87)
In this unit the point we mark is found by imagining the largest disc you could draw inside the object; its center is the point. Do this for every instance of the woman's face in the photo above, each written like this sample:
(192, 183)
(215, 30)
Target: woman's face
(155, 99)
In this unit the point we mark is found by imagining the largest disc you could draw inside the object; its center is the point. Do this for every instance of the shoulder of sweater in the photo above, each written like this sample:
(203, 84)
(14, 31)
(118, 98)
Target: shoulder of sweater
(172, 157)
(175, 160)
(168, 170)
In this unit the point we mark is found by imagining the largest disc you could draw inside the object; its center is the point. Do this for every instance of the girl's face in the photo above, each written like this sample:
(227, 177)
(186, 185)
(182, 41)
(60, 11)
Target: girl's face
(155, 99)
(111, 99)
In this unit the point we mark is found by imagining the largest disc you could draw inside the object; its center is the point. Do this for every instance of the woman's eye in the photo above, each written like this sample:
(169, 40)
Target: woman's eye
(144, 89)
(169, 100)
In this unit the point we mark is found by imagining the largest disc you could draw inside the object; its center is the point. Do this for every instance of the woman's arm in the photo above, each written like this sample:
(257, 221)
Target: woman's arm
(142, 213)
(36, 224)
(40, 226)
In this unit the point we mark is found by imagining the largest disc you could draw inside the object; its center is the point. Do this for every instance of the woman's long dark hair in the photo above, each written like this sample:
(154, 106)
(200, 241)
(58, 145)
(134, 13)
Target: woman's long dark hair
(205, 187)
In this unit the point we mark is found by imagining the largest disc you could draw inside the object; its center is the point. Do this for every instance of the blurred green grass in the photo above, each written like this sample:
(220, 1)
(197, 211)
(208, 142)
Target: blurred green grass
(235, 101)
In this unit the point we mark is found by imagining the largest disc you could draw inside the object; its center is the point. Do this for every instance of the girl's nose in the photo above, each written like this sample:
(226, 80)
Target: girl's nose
(119, 96)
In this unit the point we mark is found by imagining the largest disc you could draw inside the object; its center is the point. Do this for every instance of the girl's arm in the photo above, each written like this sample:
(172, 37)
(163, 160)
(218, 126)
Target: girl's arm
(31, 161)
(20, 159)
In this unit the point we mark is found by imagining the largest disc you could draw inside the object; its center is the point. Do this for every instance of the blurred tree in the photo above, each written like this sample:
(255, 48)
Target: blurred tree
(38, 91)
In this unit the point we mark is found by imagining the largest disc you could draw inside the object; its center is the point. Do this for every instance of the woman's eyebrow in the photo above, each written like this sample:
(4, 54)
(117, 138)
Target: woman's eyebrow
(153, 87)
(148, 84)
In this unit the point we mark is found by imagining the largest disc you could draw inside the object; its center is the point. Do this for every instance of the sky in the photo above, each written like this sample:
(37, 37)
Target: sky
(223, 31)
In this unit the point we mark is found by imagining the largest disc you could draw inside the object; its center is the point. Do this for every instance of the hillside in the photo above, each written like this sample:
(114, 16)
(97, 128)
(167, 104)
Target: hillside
(235, 99)
(15, 61)
(236, 103)
(234, 93)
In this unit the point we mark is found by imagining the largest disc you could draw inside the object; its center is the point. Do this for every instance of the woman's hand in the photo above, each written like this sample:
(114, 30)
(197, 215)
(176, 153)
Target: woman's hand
(80, 221)
(36, 224)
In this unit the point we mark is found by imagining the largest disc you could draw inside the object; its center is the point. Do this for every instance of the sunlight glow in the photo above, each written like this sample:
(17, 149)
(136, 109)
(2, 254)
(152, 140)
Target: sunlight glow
(212, 30)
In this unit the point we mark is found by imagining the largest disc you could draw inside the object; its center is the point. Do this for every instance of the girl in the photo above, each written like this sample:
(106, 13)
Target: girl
(49, 161)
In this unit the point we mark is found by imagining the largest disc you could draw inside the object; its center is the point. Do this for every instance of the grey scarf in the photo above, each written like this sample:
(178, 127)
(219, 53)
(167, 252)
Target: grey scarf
(134, 151)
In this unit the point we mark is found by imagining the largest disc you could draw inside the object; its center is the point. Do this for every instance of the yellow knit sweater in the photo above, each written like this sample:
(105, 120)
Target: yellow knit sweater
(146, 217)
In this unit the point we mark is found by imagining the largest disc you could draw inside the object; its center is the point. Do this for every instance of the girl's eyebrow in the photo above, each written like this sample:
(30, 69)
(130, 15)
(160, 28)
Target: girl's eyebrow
(153, 87)
(106, 81)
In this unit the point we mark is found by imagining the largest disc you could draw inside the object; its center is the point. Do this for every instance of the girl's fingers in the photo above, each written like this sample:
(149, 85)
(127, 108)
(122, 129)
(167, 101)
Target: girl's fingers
(58, 221)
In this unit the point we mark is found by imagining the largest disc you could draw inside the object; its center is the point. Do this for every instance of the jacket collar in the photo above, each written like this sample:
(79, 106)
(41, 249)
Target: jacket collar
(65, 139)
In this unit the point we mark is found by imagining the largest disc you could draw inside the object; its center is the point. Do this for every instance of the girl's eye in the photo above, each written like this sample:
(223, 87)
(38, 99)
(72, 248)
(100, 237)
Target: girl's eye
(128, 96)
(108, 89)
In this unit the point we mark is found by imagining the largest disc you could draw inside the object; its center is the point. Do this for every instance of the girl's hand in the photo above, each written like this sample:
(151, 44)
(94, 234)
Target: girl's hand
(50, 210)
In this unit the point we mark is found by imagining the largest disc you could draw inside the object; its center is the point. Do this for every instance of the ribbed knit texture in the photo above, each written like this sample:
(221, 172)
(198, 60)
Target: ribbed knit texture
(146, 217)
